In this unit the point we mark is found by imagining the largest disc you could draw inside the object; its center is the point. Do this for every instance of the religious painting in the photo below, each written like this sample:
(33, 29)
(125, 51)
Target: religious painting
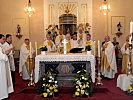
(118, 25)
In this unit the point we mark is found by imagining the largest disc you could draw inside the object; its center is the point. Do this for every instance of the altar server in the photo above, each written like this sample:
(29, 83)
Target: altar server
(108, 62)
(125, 53)
(49, 43)
(74, 40)
(6, 85)
(24, 68)
(6, 46)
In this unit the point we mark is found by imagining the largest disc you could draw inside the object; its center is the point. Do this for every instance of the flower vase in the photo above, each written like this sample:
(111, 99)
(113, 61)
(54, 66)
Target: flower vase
(89, 52)
(43, 52)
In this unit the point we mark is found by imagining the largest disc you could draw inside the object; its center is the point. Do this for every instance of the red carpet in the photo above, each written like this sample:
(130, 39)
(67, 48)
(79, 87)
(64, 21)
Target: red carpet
(108, 91)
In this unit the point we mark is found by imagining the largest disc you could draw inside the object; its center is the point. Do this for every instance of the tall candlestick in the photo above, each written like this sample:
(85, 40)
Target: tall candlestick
(36, 47)
(94, 48)
(30, 51)
(99, 48)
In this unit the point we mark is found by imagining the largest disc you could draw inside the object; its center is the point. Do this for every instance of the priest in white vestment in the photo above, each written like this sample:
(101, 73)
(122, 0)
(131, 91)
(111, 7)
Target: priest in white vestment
(24, 68)
(108, 61)
(89, 41)
(49, 43)
(125, 54)
(6, 46)
(6, 85)
(59, 39)
(70, 44)
(81, 34)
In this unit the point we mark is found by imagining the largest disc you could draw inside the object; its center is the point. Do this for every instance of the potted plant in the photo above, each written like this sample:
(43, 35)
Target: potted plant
(88, 47)
(43, 49)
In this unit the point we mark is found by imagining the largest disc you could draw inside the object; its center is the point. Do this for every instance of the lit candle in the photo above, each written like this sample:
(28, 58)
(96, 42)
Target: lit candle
(30, 51)
(131, 27)
(36, 47)
(99, 48)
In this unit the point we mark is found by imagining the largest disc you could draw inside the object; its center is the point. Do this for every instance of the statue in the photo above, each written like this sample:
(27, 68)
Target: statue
(119, 26)
(18, 29)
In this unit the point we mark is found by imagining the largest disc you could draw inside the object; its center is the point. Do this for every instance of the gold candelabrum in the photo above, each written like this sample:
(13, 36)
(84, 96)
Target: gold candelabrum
(99, 79)
(129, 68)
(31, 82)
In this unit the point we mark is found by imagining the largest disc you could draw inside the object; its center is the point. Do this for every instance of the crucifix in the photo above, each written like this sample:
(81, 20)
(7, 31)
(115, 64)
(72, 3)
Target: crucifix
(65, 42)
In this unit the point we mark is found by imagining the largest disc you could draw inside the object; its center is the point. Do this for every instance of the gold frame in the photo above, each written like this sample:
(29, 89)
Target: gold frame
(124, 24)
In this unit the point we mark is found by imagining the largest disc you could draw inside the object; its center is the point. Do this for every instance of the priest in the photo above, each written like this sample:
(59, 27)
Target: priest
(24, 68)
(6, 85)
(6, 46)
(49, 43)
(59, 39)
(74, 40)
(69, 45)
(125, 53)
(108, 61)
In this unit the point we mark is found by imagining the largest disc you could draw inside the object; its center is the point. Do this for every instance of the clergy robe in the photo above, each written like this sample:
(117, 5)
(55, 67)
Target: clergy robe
(108, 62)
(125, 58)
(81, 35)
(69, 45)
(75, 44)
(24, 68)
(7, 46)
(59, 39)
(80, 43)
(50, 45)
(6, 85)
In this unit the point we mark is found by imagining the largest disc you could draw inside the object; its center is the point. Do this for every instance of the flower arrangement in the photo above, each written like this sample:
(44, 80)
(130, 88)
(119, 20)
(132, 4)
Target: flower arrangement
(130, 89)
(49, 86)
(43, 47)
(88, 46)
(81, 84)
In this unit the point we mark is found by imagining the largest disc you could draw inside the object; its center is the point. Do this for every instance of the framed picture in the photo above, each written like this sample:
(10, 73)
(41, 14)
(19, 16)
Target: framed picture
(118, 25)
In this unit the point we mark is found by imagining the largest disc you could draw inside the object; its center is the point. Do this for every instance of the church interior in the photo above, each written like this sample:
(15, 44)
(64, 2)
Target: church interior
(66, 49)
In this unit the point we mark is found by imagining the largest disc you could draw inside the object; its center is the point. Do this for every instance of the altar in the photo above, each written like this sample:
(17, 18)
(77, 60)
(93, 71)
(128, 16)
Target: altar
(65, 66)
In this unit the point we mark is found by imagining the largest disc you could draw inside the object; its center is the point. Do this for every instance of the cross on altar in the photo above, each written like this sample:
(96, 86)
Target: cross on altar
(65, 42)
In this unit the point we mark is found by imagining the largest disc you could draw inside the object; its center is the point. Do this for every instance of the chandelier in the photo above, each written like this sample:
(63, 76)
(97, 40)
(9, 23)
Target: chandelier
(105, 8)
(29, 10)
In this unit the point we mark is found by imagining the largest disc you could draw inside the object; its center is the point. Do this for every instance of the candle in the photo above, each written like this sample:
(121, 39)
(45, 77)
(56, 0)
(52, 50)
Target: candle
(36, 47)
(99, 48)
(130, 39)
(30, 51)
(131, 27)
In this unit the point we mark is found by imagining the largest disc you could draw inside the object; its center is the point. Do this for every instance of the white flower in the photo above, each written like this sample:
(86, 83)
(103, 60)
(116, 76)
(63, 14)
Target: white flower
(82, 90)
(80, 85)
(50, 80)
(87, 85)
(56, 85)
(48, 90)
(55, 82)
(43, 84)
(78, 90)
(50, 76)
(43, 79)
(83, 77)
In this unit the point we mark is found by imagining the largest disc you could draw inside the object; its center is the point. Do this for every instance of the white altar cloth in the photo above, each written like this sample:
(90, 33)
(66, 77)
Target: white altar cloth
(124, 81)
(55, 57)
